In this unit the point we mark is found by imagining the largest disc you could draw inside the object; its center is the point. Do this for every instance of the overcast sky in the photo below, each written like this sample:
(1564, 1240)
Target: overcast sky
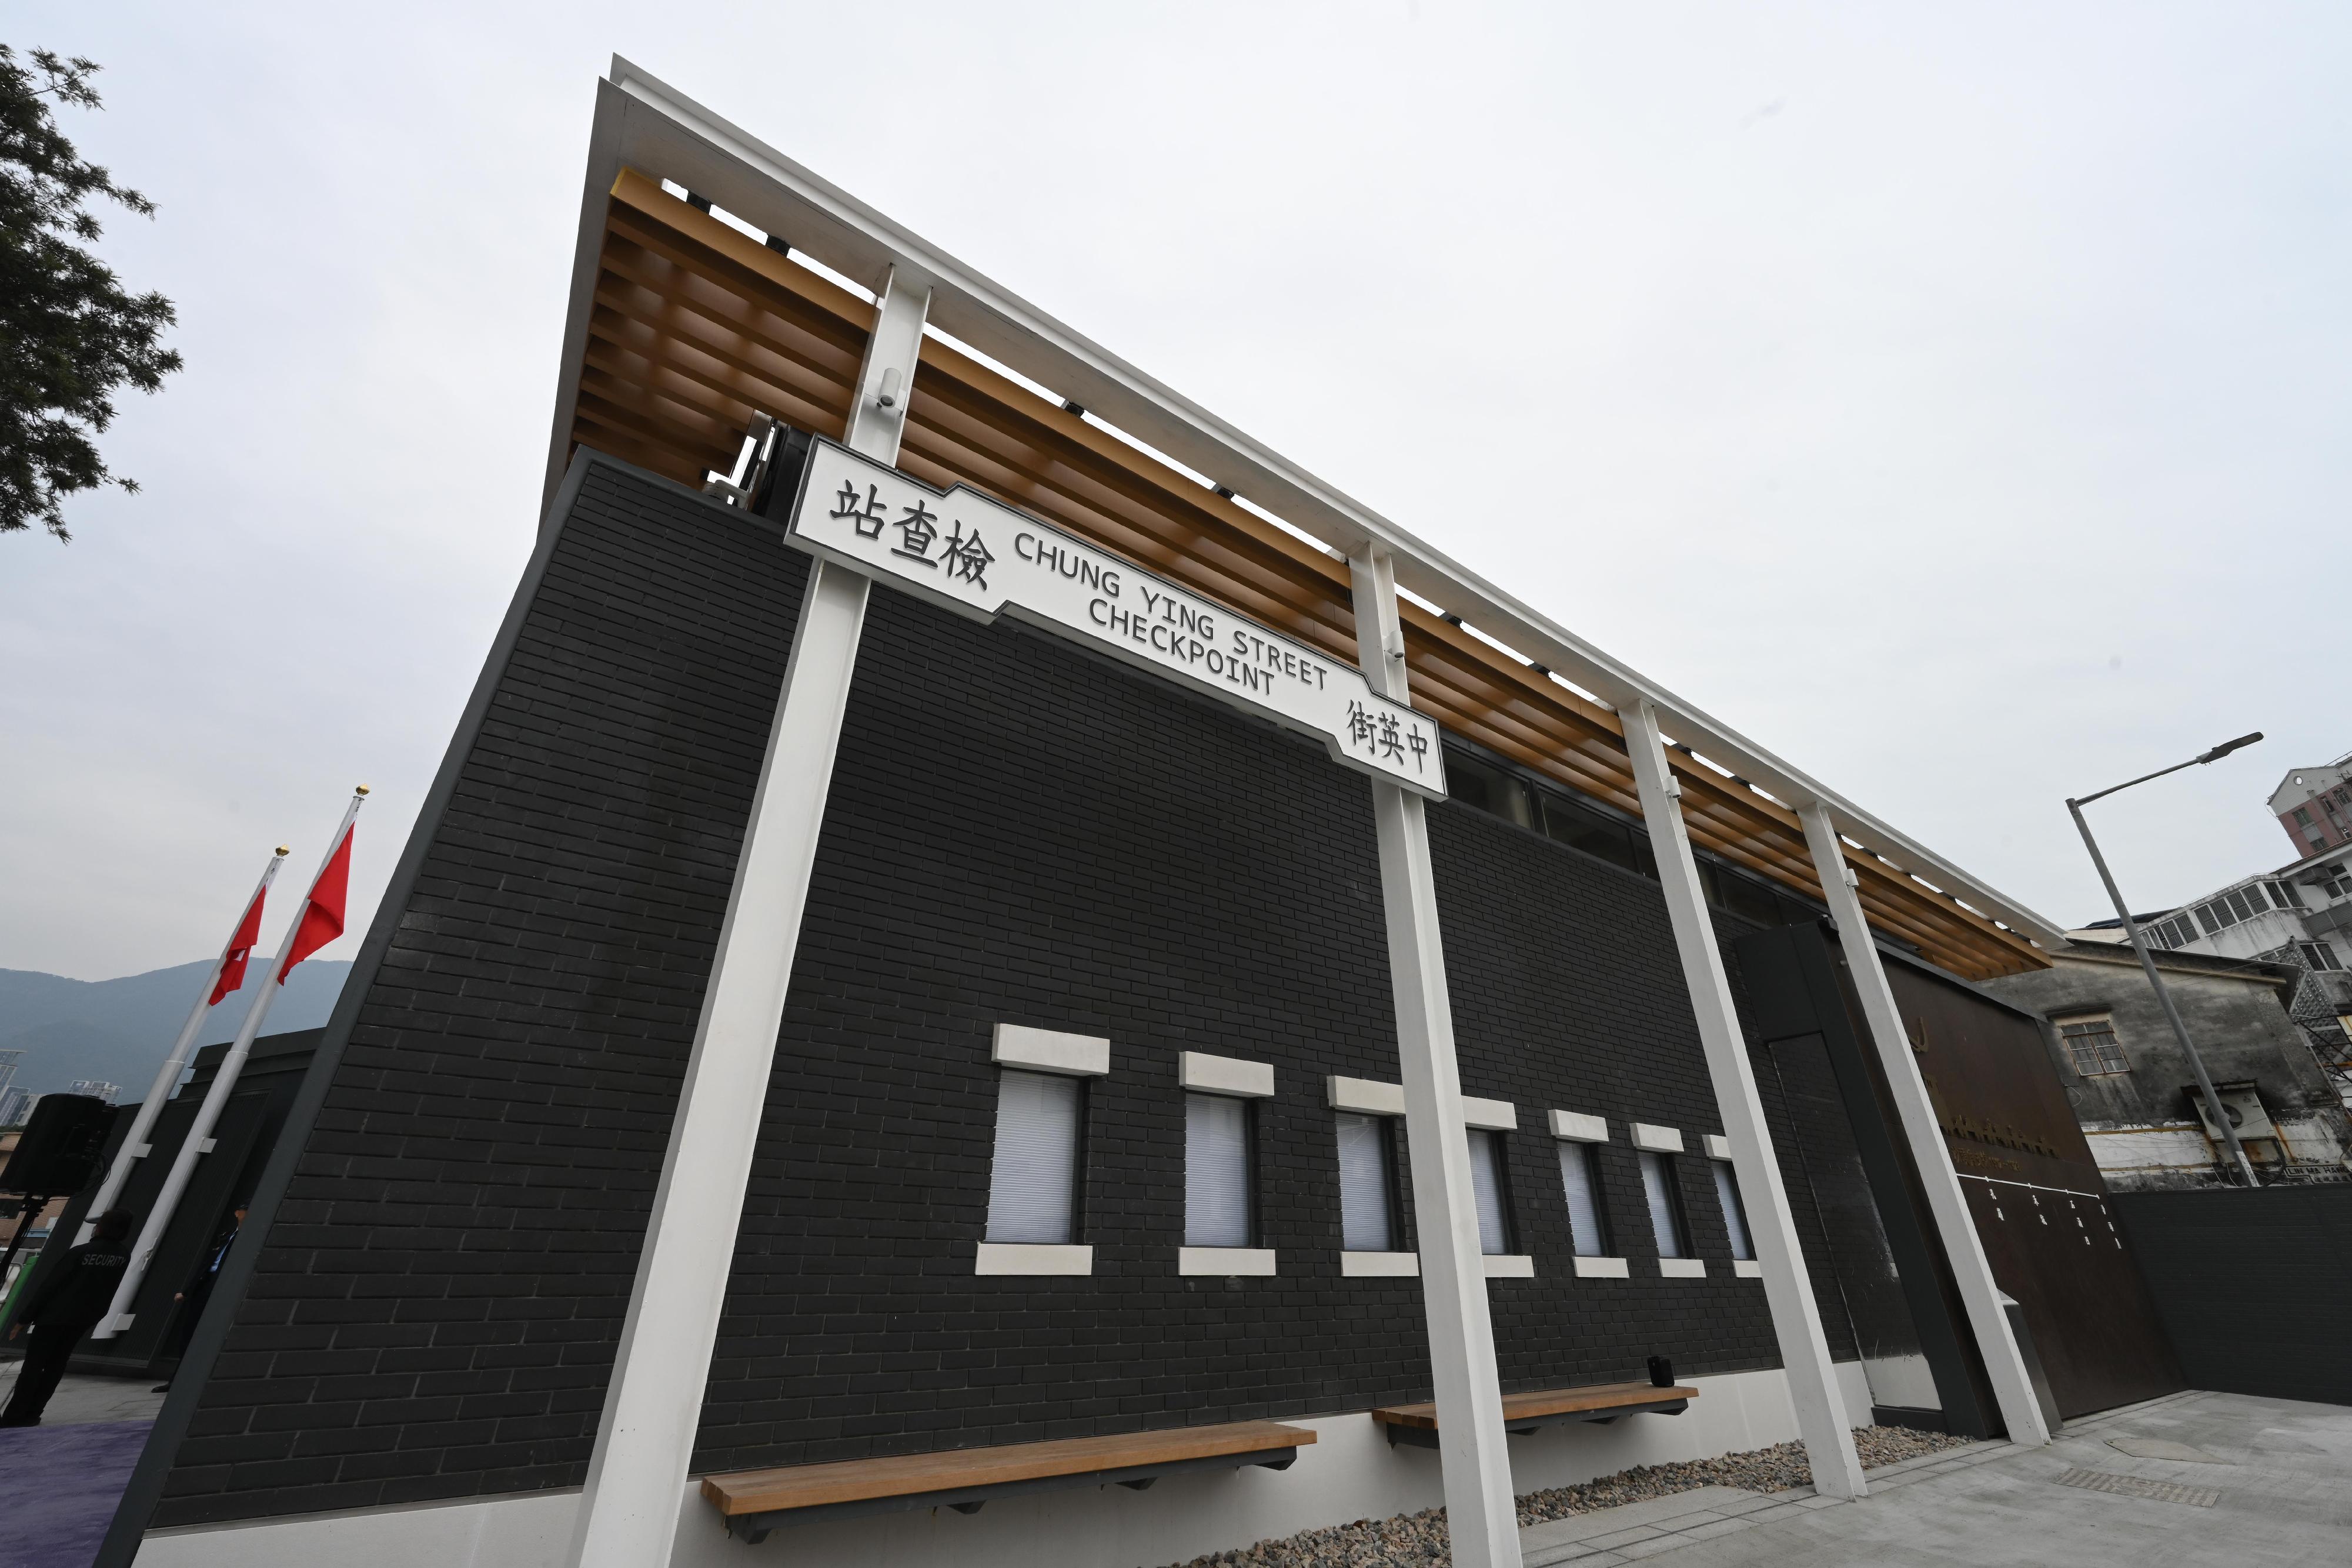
(1952, 399)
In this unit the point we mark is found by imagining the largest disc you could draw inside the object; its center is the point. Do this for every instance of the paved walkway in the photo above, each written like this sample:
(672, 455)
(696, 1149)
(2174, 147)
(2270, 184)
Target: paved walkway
(80, 1400)
(2192, 1480)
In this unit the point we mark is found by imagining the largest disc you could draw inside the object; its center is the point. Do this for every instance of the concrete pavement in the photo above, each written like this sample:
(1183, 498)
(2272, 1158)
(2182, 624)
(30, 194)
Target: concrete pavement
(80, 1399)
(2114, 1491)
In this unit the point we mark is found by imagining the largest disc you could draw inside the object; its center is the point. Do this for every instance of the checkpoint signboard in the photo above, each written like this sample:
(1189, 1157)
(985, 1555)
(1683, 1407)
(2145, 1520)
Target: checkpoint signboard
(978, 556)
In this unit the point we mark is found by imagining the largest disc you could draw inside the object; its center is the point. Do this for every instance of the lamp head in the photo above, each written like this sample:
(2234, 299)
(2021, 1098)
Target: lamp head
(2228, 747)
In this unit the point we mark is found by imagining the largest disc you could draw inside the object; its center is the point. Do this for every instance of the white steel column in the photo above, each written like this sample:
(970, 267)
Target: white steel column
(1821, 1417)
(636, 1475)
(1481, 1517)
(2013, 1389)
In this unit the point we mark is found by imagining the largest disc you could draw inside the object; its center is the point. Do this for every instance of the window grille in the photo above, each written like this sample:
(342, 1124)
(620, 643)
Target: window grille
(1734, 1213)
(1580, 1178)
(1217, 1187)
(1666, 1205)
(2319, 955)
(1033, 1188)
(1490, 1188)
(1367, 1185)
(2093, 1045)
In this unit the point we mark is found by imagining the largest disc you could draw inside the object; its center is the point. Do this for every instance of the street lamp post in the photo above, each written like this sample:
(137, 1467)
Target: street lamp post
(2214, 1107)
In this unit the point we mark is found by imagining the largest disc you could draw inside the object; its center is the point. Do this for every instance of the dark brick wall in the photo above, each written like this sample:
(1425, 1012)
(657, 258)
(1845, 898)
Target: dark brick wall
(2250, 1285)
(1018, 832)
(435, 1310)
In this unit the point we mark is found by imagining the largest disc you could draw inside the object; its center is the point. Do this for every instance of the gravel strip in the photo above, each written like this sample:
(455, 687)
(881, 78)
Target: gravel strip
(1418, 1540)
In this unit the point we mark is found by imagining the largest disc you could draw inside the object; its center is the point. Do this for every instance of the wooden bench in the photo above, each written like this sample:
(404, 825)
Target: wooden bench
(1524, 1413)
(753, 1502)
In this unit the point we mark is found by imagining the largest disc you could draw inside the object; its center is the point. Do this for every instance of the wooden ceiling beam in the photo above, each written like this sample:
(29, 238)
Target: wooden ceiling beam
(742, 388)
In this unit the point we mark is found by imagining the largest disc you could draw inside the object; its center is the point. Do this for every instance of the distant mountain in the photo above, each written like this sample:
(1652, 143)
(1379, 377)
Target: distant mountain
(119, 1031)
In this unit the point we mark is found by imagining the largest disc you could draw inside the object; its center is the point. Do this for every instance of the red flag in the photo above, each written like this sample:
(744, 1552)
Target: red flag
(322, 916)
(240, 948)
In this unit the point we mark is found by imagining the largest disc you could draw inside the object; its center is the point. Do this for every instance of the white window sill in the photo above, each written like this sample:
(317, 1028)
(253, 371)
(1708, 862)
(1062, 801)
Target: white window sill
(1746, 1268)
(1683, 1267)
(1379, 1265)
(1225, 1260)
(1600, 1268)
(1032, 1258)
(1509, 1266)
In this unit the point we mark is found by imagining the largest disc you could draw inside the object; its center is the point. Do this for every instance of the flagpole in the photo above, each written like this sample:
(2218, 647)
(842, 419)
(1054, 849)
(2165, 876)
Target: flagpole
(133, 1147)
(192, 1147)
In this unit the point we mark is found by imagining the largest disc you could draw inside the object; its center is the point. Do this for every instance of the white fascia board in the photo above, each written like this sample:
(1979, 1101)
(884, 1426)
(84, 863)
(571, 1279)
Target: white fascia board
(1509, 1266)
(1225, 1075)
(1746, 1268)
(1658, 1140)
(1682, 1268)
(643, 122)
(1497, 1115)
(1378, 1265)
(1601, 1268)
(1050, 1051)
(1579, 1127)
(1716, 1146)
(1032, 1258)
(1365, 1096)
(1225, 1260)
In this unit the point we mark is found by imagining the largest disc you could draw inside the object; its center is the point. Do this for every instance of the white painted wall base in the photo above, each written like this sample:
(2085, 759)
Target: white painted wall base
(1350, 1472)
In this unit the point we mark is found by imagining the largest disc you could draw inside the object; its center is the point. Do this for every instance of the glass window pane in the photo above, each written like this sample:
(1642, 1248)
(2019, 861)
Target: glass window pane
(1734, 1213)
(1665, 1210)
(1366, 1221)
(1486, 1185)
(1581, 1181)
(1033, 1186)
(1589, 831)
(1216, 1171)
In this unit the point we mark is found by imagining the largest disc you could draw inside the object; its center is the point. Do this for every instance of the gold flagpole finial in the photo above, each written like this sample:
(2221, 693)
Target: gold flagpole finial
(362, 789)
(285, 849)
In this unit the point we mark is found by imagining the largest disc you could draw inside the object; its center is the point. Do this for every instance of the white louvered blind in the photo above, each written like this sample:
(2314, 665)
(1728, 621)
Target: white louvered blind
(1216, 1171)
(1033, 1187)
(1734, 1213)
(1486, 1186)
(1365, 1222)
(1665, 1214)
(1581, 1182)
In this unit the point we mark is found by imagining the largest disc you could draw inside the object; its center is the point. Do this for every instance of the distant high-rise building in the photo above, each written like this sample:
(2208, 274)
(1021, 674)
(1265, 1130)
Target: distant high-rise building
(106, 1092)
(2314, 806)
(9, 1061)
(15, 1105)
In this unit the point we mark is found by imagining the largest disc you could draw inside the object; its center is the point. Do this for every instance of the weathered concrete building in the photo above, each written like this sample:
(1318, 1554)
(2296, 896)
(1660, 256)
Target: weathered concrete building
(2132, 1085)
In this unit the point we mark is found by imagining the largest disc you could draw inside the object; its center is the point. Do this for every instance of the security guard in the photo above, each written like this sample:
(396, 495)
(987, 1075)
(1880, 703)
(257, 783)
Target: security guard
(68, 1305)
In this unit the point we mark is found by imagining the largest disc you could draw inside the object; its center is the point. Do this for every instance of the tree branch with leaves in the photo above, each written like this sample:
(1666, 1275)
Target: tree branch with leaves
(70, 336)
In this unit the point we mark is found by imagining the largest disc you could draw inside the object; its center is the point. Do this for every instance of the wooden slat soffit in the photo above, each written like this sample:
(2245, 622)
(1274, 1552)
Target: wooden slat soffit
(697, 324)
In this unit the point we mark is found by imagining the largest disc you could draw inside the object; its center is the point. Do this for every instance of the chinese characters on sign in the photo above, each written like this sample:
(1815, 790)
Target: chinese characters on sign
(982, 558)
(967, 558)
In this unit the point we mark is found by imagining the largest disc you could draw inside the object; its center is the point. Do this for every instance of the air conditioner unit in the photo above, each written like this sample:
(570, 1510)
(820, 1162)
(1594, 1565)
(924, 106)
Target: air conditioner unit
(2243, 1102)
